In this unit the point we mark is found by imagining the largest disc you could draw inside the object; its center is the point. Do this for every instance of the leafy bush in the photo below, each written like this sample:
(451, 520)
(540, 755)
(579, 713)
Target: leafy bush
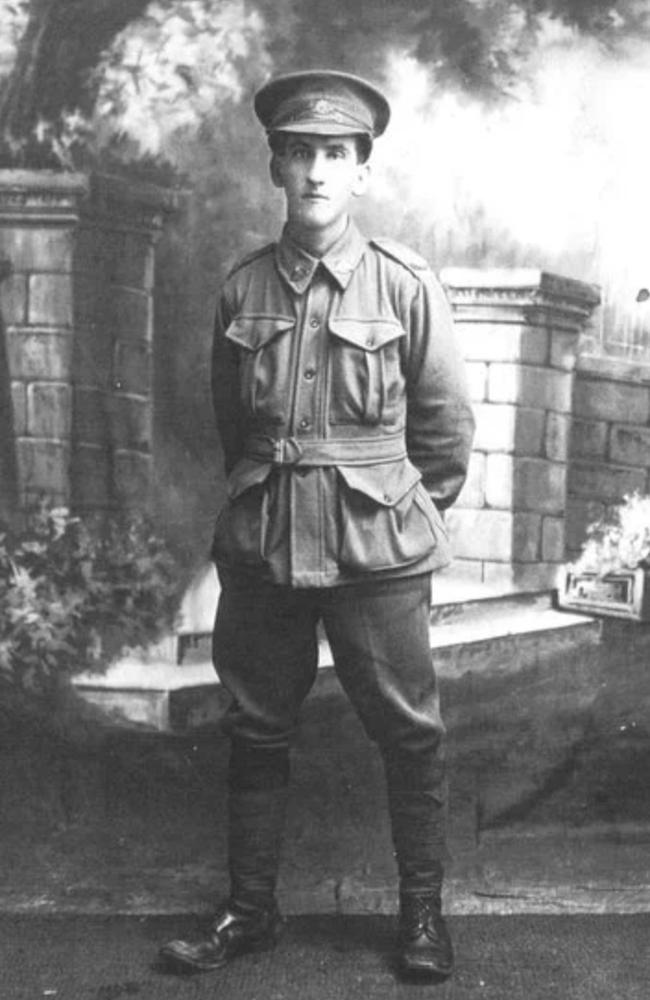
(73, 592)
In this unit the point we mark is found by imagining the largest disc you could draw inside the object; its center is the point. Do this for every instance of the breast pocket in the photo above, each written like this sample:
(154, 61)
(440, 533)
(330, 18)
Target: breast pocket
(366, 384)
(264, 344)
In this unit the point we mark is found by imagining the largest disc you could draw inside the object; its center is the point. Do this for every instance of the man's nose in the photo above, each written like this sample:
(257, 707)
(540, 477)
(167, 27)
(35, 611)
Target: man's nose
(316, 172)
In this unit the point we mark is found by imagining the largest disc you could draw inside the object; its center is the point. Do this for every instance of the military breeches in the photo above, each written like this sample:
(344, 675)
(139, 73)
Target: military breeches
(266, 655)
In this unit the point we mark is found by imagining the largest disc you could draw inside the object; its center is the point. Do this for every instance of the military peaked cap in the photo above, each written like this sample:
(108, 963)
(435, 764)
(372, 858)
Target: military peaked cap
(322, 102)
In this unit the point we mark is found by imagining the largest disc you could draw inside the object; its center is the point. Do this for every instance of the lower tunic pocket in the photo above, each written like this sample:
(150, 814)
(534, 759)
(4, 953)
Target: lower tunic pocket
(240, 530)
(387, 519)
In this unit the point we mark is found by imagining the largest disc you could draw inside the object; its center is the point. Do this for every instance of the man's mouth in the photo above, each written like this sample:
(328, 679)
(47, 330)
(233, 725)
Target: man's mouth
(312, 196)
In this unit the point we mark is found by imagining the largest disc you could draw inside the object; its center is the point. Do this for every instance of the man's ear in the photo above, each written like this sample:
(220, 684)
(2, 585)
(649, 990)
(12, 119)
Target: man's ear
(362, 179)
(275, 169)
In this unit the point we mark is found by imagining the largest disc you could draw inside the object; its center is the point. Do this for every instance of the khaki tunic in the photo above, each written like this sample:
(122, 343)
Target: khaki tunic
(343, 411)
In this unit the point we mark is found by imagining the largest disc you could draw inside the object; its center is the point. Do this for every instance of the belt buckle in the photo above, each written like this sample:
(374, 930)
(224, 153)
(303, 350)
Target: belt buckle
(286, 451)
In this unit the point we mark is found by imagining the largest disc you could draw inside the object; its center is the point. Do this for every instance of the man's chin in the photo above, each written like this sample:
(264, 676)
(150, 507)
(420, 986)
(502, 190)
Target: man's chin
(316, 216)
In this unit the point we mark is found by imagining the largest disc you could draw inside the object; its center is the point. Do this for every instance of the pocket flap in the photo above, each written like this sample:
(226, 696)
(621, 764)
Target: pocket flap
(386, 484)
(369, 335)
(253, 332)
(246, 473)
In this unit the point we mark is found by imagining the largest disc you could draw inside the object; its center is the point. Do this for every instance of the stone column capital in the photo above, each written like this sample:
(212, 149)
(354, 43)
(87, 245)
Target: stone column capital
(520, 295)
(38, 197)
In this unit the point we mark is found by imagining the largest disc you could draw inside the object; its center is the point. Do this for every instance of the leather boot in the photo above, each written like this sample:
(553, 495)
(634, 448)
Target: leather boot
(255, 828)
(418, 827)
(425, 947)
(249, 920)
(234, 930)
(258, 780)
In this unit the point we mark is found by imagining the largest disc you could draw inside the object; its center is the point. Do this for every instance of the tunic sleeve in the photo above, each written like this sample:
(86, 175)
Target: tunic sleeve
(439, 422)
(225, 389)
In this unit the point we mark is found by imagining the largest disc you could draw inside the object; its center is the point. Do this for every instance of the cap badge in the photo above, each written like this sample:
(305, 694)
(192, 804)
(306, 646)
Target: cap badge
(324, 108)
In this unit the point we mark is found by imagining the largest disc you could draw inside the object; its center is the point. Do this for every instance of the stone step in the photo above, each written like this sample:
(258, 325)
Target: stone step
(490, 635)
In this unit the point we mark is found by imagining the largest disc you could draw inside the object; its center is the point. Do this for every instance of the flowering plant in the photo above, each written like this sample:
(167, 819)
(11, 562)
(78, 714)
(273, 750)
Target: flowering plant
(620, 541)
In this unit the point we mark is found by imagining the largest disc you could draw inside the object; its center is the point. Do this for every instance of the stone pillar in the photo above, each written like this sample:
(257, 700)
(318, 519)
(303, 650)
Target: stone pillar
(39, 211)
(114, 274)
(8, 495)
(519, 332)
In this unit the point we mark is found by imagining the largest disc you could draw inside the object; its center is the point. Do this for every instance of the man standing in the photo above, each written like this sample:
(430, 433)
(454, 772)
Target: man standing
(346, 427)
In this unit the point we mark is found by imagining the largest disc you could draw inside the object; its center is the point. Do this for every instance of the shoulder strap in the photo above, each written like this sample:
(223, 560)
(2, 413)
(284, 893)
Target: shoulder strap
(250, 258)
(408, 258)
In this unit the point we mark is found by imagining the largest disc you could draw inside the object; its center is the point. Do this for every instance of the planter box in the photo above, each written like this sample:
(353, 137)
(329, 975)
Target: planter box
(625, 594)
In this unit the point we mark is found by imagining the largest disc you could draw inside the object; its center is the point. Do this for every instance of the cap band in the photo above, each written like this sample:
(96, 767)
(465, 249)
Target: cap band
(320, 111)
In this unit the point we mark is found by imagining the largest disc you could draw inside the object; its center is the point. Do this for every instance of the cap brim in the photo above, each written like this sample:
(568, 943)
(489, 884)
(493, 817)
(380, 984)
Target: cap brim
(320, 128)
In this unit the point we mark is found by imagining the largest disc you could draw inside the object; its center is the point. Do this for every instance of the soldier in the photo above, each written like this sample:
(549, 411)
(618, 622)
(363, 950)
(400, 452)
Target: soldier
(342, 407)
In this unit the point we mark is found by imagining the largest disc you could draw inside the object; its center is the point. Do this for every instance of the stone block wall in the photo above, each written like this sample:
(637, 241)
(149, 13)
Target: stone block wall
(77, 330)
(610, 441)
(38, 215)
(8, 497)
(519, 333)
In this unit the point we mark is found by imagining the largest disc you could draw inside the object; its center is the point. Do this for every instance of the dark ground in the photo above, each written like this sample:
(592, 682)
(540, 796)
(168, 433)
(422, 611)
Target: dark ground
(330, 958)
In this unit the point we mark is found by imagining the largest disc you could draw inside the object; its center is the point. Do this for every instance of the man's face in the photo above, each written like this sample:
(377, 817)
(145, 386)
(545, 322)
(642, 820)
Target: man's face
(319, 174)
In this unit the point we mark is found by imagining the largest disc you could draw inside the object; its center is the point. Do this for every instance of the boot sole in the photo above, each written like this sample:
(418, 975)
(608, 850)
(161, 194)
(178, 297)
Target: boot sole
(424, 970)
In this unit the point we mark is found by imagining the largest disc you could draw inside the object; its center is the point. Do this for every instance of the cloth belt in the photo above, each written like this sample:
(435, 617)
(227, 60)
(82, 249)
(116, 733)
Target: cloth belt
(326, 451)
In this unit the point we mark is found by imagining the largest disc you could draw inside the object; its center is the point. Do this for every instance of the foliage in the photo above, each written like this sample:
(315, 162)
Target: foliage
(85, 76)
(13, 18)
(172, 68)
(619, 541)
(73, 592)
(170, 64)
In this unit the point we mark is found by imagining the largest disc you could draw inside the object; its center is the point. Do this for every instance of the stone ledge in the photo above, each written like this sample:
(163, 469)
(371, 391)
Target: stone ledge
(519, 278)
(613, 369)
(509, 295)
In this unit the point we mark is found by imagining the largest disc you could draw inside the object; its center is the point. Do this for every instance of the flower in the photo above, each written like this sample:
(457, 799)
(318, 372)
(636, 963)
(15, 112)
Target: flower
(620, 541)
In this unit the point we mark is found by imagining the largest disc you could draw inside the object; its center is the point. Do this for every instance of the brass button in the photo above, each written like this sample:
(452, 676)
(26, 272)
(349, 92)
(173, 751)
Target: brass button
(387, 498)
(314, 322)
(304, 424)
(298, 273)
(309, 374)
(370, 342)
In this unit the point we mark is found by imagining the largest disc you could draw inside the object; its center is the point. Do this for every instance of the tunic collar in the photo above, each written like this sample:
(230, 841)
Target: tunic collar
(297, 267)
